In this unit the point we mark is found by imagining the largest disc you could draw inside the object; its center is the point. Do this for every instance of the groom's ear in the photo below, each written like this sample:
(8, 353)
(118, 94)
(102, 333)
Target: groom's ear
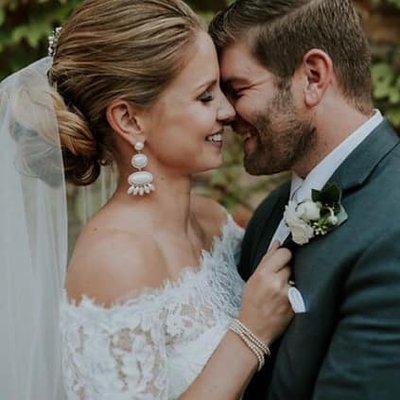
(318, 69)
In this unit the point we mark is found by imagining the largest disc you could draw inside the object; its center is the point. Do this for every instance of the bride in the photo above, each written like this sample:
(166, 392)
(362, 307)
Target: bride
(153, 307)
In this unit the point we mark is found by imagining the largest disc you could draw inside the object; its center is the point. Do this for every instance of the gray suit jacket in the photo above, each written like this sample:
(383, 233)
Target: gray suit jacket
(347, 346)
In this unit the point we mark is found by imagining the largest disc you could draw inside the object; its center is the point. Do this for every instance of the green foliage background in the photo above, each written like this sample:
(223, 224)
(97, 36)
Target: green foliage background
(26, 24)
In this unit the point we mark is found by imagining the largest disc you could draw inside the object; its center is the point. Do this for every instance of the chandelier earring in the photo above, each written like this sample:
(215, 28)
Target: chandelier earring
(140, 182)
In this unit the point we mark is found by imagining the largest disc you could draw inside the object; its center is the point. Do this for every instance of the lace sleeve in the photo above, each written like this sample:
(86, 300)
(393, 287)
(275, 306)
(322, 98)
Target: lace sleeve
(117, 353)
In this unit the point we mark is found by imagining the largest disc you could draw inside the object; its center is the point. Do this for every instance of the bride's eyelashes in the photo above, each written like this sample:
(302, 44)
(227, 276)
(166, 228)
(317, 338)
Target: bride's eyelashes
(206, 97)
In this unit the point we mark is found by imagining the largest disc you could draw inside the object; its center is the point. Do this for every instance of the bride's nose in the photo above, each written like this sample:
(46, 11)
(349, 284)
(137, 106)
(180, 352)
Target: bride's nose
(226, 112)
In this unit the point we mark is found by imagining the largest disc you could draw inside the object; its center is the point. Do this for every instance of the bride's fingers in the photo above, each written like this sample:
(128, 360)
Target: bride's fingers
(284, 274)
(277, 260)
(275, 246)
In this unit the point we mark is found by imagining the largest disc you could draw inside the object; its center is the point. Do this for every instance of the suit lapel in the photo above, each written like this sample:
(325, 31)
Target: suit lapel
(359, 165)
(269, 226)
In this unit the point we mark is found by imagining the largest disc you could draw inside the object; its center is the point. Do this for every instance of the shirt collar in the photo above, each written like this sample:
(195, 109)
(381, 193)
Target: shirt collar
(320, 175)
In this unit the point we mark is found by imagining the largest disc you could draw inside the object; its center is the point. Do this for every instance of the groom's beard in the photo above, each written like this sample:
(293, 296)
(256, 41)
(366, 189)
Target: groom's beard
(282, 138)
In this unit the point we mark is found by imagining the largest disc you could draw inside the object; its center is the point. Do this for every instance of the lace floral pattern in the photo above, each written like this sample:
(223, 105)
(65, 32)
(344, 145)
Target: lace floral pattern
(154, 345)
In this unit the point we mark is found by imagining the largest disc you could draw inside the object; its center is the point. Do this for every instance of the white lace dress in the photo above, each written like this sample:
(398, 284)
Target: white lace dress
(154, 345)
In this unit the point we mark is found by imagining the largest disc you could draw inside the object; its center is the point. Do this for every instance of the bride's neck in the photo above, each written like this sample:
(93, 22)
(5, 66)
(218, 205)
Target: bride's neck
(169, 205)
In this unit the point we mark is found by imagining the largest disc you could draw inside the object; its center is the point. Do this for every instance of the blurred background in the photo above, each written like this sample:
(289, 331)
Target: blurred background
(26, 24)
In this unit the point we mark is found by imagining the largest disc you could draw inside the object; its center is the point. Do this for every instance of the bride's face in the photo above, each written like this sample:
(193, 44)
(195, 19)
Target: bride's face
(189, 112)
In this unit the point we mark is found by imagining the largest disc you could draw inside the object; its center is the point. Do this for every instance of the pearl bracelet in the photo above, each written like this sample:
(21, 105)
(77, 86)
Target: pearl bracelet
(254, 338)
(258, 353)
(259, 348)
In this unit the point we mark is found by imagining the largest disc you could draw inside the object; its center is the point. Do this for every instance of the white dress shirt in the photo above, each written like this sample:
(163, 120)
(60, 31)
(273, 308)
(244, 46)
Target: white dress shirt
(301, 189)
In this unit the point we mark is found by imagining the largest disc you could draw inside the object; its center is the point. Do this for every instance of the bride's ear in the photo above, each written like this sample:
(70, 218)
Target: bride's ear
(127, 120)
(318, 68)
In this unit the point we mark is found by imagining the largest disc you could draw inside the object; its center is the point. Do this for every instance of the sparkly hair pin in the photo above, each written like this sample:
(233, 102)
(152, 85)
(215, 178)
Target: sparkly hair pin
(53, 39)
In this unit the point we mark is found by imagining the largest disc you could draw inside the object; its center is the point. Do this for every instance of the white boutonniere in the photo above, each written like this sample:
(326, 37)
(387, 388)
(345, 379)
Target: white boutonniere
(316, 216)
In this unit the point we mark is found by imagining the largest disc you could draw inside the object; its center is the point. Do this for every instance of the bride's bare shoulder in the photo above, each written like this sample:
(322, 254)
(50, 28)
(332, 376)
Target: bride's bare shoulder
(109, 265)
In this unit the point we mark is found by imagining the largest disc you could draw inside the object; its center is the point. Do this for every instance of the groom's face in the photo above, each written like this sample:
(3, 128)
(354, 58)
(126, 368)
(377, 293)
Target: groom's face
(271, 118)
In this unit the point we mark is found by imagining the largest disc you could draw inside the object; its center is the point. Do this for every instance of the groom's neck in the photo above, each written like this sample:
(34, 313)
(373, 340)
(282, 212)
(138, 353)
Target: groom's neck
(333, 125)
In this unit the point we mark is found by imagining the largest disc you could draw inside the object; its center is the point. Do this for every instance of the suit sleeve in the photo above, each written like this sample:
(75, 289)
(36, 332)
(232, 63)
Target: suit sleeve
(363, 359)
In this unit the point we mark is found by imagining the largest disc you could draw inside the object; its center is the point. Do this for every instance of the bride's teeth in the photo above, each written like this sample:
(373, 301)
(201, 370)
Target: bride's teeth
(215, 138)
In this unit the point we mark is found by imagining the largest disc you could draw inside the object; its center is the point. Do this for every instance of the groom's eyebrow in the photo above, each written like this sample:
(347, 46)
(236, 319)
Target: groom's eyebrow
(235, 80)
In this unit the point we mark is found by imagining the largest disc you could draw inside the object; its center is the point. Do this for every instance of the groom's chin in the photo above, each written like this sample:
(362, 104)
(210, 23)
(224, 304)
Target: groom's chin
(257, 172)
(255, 168)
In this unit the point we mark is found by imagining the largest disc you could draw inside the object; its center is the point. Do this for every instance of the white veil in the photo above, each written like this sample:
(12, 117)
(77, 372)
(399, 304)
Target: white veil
(33, 236)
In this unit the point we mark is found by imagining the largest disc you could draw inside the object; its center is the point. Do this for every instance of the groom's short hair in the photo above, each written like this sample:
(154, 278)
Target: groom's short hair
(282, 31)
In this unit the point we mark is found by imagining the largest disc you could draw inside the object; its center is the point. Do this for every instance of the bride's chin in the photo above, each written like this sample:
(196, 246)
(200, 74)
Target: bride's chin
(212, 165)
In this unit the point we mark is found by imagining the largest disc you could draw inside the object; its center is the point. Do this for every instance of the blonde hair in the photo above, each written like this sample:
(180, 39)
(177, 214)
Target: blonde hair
(113, 49)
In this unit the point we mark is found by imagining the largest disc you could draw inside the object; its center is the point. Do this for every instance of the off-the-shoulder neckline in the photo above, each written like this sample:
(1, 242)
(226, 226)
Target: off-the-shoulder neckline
(168, 285)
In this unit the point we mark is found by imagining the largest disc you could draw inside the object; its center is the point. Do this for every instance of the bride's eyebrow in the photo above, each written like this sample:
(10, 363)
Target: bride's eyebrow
(207, 84)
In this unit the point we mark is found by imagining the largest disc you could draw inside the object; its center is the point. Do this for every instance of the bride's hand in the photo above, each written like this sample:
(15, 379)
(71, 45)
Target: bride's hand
(266, 312)
(265, 307)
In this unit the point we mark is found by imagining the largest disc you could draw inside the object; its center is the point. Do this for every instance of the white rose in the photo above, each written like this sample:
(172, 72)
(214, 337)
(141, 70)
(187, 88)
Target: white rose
(301, 231)
(333, 220)
(290, 212)
(309, 211)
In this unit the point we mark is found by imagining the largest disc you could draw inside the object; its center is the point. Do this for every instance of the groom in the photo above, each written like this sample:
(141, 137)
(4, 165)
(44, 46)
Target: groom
(297, 72)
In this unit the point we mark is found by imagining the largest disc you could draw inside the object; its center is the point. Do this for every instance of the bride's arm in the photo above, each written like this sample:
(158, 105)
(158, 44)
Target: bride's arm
(266, 311)
(227, 373)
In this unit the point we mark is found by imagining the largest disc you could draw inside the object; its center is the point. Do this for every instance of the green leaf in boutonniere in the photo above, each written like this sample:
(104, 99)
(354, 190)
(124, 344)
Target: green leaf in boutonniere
(330, 196)
(316, 216)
